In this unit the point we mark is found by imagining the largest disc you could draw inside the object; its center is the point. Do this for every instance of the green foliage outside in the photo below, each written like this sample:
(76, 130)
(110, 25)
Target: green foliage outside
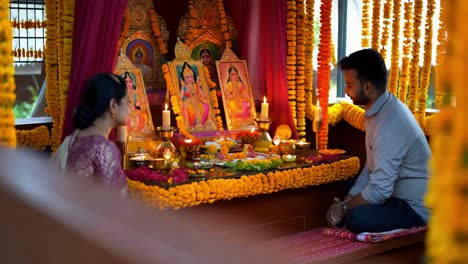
(24, 109)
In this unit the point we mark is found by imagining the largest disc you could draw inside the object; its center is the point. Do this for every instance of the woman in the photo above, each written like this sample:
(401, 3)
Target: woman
(208, 62)
(238, 99)
(89, 153)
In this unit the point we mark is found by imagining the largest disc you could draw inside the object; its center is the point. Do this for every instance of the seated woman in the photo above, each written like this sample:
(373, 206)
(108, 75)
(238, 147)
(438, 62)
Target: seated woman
(88, 152)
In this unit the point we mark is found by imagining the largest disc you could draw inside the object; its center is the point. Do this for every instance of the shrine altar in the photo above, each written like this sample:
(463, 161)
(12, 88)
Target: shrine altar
(292, 175)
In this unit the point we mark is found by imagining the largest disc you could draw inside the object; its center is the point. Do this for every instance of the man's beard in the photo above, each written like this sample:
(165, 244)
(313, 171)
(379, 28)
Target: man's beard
(361, 98)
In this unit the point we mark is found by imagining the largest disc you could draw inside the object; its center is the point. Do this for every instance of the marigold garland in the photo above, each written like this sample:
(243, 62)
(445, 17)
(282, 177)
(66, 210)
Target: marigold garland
(427, 64)
(7, 80)
(440, 56)
(28, 24)
(375, 24)
(300, 68)
(447, 198)
(386, 28)
(309, 51)
(365, 23)
(37, 138)
(414, 65)
(406, 56)
(291, 59)
(354, 115)
(224, 24)
(188, 195)
(395, 56)
(157, 32)
(323, 73)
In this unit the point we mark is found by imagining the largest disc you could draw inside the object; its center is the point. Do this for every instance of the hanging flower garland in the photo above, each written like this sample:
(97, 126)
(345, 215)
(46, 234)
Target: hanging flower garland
(196, 193)
(291, 62)
(354, 115)
(386, 28)
(7, 80)
(157, 32)
(300, 68)
(395, 56)
(414, 65)
(440, 56)
(37, 138)
(224, 23)
(28, 24)
(427, 64)
(447, 196)
(375, 24)
(31, 53)
(407, 36)
(53, 96)
(125, 29)
(309, 52)
(365, 24)
(323, 74)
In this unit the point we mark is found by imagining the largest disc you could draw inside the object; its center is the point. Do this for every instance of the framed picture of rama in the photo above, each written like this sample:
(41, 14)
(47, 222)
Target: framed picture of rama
(191, 89)
(239, 107)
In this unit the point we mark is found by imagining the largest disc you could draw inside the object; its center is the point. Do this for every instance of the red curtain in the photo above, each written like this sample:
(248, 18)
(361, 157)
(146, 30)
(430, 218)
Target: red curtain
(96, 31)
(261, 41)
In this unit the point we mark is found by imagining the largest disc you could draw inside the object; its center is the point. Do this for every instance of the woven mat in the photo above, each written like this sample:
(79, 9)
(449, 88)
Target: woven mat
(313, 246)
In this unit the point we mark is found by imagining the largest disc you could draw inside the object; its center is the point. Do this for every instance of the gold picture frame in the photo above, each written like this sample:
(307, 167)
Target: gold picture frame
(139, 123)
(191, 90)
(239, 106)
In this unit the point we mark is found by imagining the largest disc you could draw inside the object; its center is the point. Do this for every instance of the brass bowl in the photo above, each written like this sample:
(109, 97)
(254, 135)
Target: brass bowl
(286, 148)
(158, 163)
(302, 145)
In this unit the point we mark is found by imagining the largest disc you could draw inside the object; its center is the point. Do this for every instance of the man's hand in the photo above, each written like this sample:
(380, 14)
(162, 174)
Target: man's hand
(336, 212)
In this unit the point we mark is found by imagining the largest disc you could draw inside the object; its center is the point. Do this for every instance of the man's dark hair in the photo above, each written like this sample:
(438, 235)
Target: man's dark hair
(370, 67)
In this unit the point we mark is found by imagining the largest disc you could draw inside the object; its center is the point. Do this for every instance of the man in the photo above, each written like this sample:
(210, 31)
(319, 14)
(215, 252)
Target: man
(146, 70)
(389, 192)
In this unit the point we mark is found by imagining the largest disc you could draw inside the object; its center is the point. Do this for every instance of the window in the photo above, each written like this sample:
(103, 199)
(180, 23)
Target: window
(28, 19)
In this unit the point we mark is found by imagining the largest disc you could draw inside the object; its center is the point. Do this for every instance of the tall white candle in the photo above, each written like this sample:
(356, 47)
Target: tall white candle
(264, 113)
(318, 114)
(166, 119)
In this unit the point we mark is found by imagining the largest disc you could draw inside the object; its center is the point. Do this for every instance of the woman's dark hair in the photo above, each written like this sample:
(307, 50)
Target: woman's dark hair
(369, 65)
(233, 68)
(100, 90)
(203, 50)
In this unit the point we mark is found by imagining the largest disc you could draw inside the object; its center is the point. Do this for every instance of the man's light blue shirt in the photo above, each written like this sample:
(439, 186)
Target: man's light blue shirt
(397, 156)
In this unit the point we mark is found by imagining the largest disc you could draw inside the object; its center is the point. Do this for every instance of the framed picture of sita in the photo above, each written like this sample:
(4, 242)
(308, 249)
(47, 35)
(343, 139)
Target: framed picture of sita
(239, 107)
(191, 89)
(139, 123)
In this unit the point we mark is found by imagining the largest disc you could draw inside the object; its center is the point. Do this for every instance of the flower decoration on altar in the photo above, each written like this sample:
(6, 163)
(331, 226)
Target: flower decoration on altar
(37, 138)
(7, 80)
(283, 131)
(146, 175)
(248, 137)
(209, 191)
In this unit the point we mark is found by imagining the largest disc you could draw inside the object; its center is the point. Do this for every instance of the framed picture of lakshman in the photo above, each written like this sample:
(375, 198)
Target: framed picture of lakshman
(191, 89)
(239, 107)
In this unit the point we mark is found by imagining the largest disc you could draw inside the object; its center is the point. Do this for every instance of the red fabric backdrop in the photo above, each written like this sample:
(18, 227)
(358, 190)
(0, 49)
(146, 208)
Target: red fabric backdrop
(261, 41)
(95, 34)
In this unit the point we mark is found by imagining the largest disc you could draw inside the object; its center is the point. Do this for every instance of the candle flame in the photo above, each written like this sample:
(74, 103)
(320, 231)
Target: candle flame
(165, 106)
(264, 99)
(252, 130)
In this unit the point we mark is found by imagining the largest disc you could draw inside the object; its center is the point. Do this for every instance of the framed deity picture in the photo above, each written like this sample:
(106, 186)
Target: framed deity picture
(239, 107)
(191, 89)
(139, 123)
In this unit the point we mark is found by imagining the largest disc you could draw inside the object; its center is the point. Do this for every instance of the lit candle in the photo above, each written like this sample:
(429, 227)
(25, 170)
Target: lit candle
(276, 140)
(264, 113)
(318, 114)
(188, 141)
(166, 119)
(167, 154)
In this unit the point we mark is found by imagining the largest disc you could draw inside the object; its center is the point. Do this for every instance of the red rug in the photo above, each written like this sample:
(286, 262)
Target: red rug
(314, 246)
